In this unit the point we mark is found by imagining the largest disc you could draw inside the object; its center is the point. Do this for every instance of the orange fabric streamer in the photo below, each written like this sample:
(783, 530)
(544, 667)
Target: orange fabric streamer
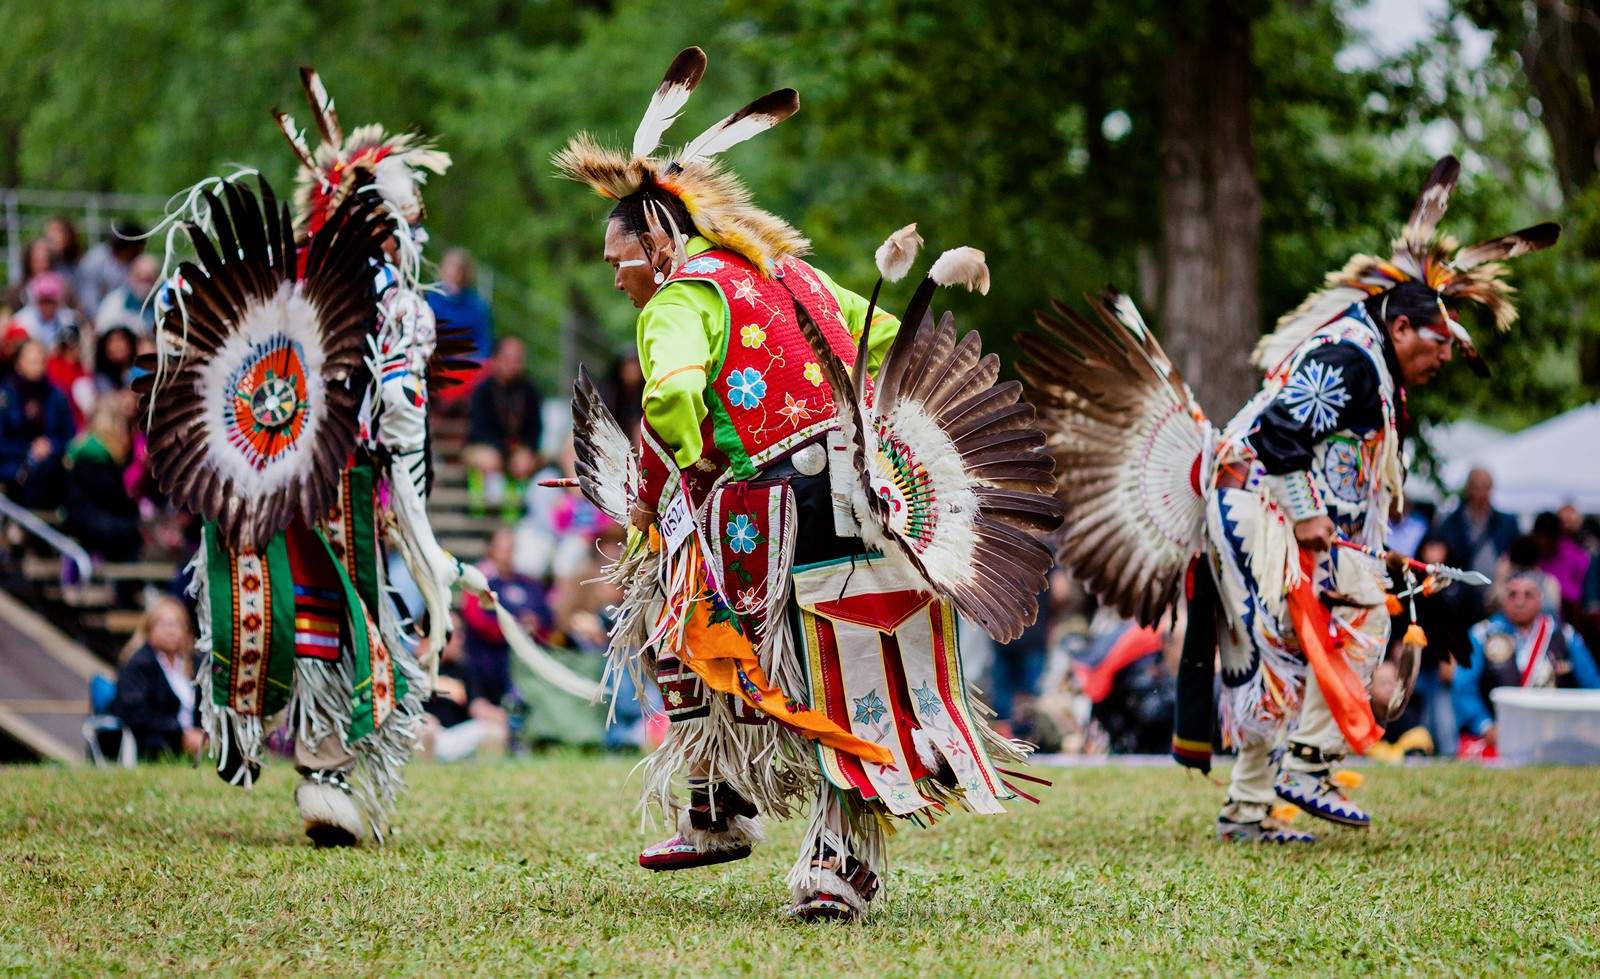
(1344, 692)
(723, 658)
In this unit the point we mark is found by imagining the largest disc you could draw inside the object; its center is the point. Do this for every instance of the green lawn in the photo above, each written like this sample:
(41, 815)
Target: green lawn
(528, 868)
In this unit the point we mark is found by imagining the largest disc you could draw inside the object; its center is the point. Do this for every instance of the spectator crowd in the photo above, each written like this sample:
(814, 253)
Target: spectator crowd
(1080, 680)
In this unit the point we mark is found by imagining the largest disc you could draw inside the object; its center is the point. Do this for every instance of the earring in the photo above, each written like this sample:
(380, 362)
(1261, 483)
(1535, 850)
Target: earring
(659, 277)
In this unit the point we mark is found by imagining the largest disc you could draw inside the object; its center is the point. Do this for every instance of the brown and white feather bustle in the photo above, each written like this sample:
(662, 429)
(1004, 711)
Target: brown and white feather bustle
(242, 304)
(1130, 446)
(951, 475)
(606, 466)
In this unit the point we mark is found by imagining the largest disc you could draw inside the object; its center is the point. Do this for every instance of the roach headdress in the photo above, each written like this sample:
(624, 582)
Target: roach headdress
(716, 199)
(1475, 273)
(397, 165)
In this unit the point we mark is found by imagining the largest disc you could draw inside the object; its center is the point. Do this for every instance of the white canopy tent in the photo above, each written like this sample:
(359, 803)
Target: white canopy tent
(1548, 465)
(1458, 446)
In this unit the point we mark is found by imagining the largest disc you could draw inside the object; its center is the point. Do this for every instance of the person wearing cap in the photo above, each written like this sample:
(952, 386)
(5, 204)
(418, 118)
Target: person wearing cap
(1522, 645)
(46, 317)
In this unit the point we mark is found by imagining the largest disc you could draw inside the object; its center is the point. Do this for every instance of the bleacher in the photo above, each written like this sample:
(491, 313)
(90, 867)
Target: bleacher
(103, 612)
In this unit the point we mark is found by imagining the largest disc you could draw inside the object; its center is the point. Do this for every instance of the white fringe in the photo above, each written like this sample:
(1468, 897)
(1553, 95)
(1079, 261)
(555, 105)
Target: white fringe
(742, 831)
(835, 826)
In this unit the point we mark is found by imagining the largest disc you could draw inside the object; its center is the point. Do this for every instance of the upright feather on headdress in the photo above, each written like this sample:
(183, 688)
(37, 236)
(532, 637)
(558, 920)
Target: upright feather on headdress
(717, 201)
(670, 98)
(1421, 254)
(398, 164)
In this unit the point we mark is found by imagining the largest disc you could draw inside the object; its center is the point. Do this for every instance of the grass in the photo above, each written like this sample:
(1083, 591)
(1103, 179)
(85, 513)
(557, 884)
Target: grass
(528, 868)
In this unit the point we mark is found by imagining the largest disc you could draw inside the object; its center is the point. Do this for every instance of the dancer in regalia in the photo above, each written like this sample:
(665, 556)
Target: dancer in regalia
(1288, 506)
(288, 406)
(803, 540)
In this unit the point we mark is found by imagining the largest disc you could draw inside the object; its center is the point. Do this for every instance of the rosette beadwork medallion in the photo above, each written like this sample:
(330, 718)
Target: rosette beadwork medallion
(252, 409)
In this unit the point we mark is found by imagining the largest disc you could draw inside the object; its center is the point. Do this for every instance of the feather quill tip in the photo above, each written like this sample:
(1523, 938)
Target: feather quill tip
(898, 253)
(964, 266)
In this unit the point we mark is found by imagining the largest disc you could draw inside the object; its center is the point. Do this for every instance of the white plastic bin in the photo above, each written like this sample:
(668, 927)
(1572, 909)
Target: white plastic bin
(1548, 726)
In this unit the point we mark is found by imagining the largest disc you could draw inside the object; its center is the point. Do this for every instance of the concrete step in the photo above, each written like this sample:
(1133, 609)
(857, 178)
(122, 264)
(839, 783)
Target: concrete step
(466, 548)
(444, 499)
(90, 596)
(461, 522)
(116, 621)
(160, 572)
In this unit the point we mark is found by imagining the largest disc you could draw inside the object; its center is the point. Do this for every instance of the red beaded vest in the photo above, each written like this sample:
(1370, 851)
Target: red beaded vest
(766, 395)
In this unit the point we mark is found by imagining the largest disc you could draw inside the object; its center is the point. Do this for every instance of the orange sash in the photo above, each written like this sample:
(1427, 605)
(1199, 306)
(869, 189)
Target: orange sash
(1343, 690)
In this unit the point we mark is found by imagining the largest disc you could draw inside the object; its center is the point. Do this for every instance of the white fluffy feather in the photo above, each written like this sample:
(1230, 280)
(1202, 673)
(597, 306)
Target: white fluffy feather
(964, 266)
(898, 253)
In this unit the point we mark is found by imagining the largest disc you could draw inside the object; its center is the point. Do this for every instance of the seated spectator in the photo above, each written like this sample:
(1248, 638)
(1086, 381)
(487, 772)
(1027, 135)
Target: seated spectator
(128, 306)
(67, 372)
(35, 426)
(583, 606)
(114, 355)
(46, 316)
(37, 259)
(66, 249)
(155, 687)
(503, 431)
(1561, 556)
(100, 511)
(105, 267)
(457, 305)
(1522, 645)
(460, 721)
(488, 654)
(1130, 675)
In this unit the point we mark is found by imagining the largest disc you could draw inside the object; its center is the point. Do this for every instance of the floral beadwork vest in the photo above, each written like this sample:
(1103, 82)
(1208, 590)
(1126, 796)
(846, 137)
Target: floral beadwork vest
(766, 395)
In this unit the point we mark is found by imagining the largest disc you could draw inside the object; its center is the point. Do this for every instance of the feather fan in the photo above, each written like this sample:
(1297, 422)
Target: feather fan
(607, 469)
(951, 477)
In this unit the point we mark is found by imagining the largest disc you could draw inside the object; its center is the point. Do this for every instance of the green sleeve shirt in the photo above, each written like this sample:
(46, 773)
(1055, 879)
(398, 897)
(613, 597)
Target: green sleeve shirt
(681, 334)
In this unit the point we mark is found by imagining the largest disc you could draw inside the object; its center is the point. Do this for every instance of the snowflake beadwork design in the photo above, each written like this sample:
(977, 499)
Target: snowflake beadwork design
(752, 335)
(1316, 392)
(869, 709)
(704, 265)
(813, 373)
(746, 388)
(928, 700)
(742, 534)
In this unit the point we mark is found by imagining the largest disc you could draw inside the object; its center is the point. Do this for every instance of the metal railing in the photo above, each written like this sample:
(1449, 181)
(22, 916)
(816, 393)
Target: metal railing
(66, 546)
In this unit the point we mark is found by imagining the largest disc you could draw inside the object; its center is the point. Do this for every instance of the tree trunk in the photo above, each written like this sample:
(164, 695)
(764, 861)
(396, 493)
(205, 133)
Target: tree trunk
(1210, 211)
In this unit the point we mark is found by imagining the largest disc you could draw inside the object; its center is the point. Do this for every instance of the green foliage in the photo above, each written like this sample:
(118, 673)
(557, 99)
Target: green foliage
(1028, 130)
(528, 869)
